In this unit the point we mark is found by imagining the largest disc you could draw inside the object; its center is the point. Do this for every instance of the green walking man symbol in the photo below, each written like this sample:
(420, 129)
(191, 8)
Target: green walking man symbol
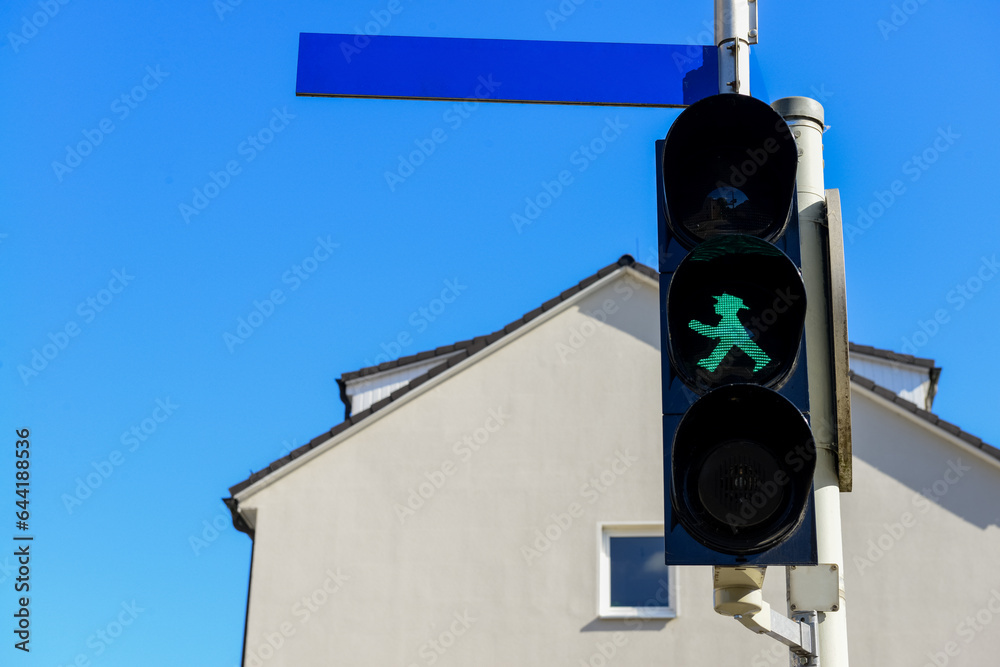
(730, 333)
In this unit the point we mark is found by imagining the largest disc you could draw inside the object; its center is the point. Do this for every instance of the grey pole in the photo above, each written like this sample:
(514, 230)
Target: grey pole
(805, 119)
(735, 31)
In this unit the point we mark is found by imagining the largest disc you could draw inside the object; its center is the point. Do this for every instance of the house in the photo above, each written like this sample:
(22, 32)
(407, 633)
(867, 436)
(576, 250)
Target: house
(499, 501)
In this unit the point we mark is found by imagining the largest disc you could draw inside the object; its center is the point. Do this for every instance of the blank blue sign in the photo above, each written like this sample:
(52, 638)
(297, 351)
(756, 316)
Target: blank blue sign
(504, 70)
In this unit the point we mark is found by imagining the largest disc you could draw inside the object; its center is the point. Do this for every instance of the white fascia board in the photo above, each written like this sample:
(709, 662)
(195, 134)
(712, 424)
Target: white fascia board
(261, 484)
(916, 419)
(893, 363)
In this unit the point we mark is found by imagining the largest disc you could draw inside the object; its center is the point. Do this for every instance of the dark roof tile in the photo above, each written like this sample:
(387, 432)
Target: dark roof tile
(437, 370)
(551, 303)
(607, 270)
(568, 293)
(378, 405)
(532, 314)
(399, 393)
(949, 427)
(890, 355)
(513, 326)
(414, 383)
(354, 419)
(646, 271)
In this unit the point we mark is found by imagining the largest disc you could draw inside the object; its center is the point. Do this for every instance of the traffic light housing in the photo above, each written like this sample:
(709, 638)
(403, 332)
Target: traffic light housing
(738, 451)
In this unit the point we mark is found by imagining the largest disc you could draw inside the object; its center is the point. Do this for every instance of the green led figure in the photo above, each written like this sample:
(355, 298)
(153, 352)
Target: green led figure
(730, 332)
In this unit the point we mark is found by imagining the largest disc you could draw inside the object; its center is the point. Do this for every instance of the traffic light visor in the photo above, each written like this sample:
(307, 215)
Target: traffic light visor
(729, 165)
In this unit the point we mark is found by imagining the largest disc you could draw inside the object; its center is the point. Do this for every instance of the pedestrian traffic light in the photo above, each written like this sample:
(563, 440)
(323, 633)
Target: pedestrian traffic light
(738, 451)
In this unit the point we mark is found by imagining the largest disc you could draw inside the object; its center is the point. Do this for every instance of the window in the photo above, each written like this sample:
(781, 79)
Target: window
(634, 581)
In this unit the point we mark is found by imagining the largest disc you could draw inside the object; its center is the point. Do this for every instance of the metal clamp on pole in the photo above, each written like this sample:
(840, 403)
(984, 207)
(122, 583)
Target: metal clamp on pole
(738, 594)
(735, 31)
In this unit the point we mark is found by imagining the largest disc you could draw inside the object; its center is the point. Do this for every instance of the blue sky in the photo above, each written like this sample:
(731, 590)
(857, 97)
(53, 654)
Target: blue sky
(134, 306)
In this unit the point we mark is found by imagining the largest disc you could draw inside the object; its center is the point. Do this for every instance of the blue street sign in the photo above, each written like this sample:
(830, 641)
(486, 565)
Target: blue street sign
(505, 70)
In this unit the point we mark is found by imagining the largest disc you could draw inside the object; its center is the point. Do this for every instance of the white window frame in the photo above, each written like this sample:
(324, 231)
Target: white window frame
(607, 530)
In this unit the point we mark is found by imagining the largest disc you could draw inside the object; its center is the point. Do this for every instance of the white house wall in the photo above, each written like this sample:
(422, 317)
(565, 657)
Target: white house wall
(922, 544)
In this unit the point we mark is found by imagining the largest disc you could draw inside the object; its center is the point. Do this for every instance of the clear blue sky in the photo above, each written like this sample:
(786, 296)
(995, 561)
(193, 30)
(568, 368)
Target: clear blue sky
(135, 301)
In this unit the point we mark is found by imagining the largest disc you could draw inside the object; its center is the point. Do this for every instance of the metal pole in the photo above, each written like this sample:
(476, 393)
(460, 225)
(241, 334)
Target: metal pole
(735, 31)
(805, 118)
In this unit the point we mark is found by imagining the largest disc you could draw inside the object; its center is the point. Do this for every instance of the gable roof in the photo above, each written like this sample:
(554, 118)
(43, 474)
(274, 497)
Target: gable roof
(456, 353)
(464, 350)
(896, 371)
